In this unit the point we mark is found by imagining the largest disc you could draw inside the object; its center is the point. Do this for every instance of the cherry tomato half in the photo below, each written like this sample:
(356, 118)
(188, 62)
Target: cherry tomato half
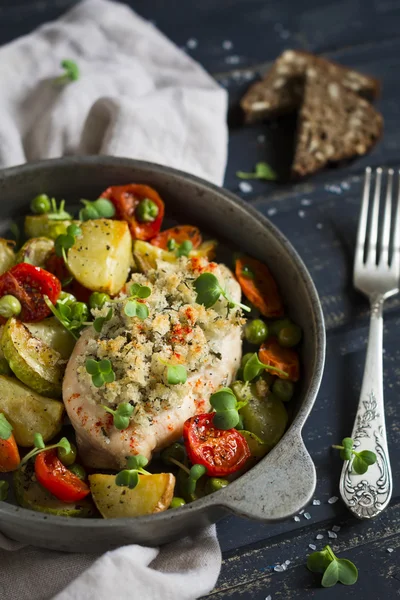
(57, 479)
(29, 284)
(180, 233)
(126, 199)
(221, 451)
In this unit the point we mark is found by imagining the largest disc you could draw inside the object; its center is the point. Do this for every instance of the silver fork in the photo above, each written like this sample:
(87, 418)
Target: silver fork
(376, 274)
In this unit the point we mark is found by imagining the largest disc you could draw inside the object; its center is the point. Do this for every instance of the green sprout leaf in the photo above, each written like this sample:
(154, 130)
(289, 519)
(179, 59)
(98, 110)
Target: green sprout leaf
(38, 441)
(361, 460)
(255, 367)
(5, 428)
(176, 374)
(226, 407)
(4, 488)
(318, 562)
(99, 322)
(209, 291)
(73, 320)
(348, 572)
(137, 462)
(121, 415)
(331, 575)
(224, 399)
(102, 208)
(130, 477)
(334, 569)
(101, 371)
(40, 447)
(262, 171)
(71, 72)
(134, 308)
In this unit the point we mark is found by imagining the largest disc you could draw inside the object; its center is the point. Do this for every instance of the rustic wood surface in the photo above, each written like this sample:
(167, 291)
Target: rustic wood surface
(319, 217)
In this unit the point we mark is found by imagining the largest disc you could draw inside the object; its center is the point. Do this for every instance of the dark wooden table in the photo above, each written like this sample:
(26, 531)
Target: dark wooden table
(235, 40)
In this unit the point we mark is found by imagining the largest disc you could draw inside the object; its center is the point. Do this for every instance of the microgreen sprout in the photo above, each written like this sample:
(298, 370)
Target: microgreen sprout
(102, 208)
(360, 460)
(130, 477)
(71, 317)
(39, 446)
(65, 241)
(209, 291)
(71, 72)
(195, 472)
(5, 428)
(226, 407)
(134, 308)
(262, 171)
(57, 213)
(183, 249)
(4, 487)
(334, 569)
(175, 373)
(99, 321)
(255, 367)
(100, 370)
(121, 415)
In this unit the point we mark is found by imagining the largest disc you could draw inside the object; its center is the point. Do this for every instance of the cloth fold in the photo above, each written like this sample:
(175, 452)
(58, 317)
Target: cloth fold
(138, 96)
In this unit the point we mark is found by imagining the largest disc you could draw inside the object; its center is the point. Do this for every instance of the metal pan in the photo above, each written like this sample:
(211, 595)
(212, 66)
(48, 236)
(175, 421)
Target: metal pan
(284, 481)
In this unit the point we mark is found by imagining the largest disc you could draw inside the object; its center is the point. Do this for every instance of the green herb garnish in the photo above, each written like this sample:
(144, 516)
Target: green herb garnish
(130, 477)
(102, 208)
(361, 460)
(39, 446)
(134, 308)
(99, 321)
(262, 171)
(121, 415)
(71, 317)
(6, 428)
(71, 72)
(226, 407)
(100, 370)
(255, 367)
(57, 213)
(209, 291)
(334, 569)
(4, 487)
(183, 249)
(65, 241)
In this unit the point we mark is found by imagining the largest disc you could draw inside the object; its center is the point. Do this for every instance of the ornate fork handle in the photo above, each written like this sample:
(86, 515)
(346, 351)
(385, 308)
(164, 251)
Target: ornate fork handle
(367, 495)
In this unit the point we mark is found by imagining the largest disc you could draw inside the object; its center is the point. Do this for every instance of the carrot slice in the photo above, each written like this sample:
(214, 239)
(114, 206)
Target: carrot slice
(259, 286)
(285, 359)
(180, 233)
(9, 455)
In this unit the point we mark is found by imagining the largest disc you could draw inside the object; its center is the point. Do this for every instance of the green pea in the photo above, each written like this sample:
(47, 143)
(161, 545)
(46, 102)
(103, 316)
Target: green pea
(226, 419)
(175, 451)
(275, 326)
(74, 230)
(89, 212)
(245, 359)
(177, 502)
(10, 306)
(66, 298)
(214, 484)
(78, 470)
(79, 311)
(197, 471)
(256, 332)
(67, 457)
(147, 211)
(98, 299)
(283, 389)
(121, 422)
(104, 207)
(289, 336)
(41, 204)
(4, 367)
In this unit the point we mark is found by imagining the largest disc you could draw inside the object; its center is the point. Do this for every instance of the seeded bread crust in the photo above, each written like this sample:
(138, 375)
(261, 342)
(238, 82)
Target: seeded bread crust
(280, 92)
(334, 124)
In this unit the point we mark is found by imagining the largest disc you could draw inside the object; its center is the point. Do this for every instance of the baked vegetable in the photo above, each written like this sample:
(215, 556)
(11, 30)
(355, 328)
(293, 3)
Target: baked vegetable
(152, 494)
(7, 256)
(259, 286)
(33, 362)
(146, 255)
(53, 334)
(57, 479)
(179, 234)
(285, 359)
(35, 251)
(43, 226)
(9, 453)
(101, 256)
(28, 412)
(30, 494)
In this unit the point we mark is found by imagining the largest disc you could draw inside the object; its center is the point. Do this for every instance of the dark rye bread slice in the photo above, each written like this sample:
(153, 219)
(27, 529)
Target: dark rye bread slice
(334, 124)
(280, 92)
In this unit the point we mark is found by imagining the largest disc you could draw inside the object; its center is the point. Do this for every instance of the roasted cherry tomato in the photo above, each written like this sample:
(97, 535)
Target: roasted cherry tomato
(56, 265)
(29, 284)
(180, 233)
(259, 286)
(221, 451)
(57, 479)
(9, 455)
(285, 359)
(127, 198)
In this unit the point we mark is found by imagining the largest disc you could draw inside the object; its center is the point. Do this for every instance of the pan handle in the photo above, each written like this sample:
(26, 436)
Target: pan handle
(278, 491)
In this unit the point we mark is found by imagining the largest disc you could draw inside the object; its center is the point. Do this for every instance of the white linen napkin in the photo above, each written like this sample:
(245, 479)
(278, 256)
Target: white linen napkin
(138, 96)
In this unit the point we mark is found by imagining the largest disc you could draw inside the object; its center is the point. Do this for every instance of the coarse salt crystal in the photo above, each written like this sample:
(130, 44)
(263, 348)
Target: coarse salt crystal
(319, 226)
(336, 528)
(227, 45)
(319, 536)
(285, 34)
(316, 502)
(192, 43)
(248, 75)
(301, 214)
(232, 60)
(306, 202)
(245, 187)
(296, 518)
(332, 535)
(307, 515)
(301, 512)
(287, 562)
(333, 499)
(279, 568)
(268, 597)
(390, 550)
(271, 212)
(312, 546)
(345, 185)
(261, 138)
